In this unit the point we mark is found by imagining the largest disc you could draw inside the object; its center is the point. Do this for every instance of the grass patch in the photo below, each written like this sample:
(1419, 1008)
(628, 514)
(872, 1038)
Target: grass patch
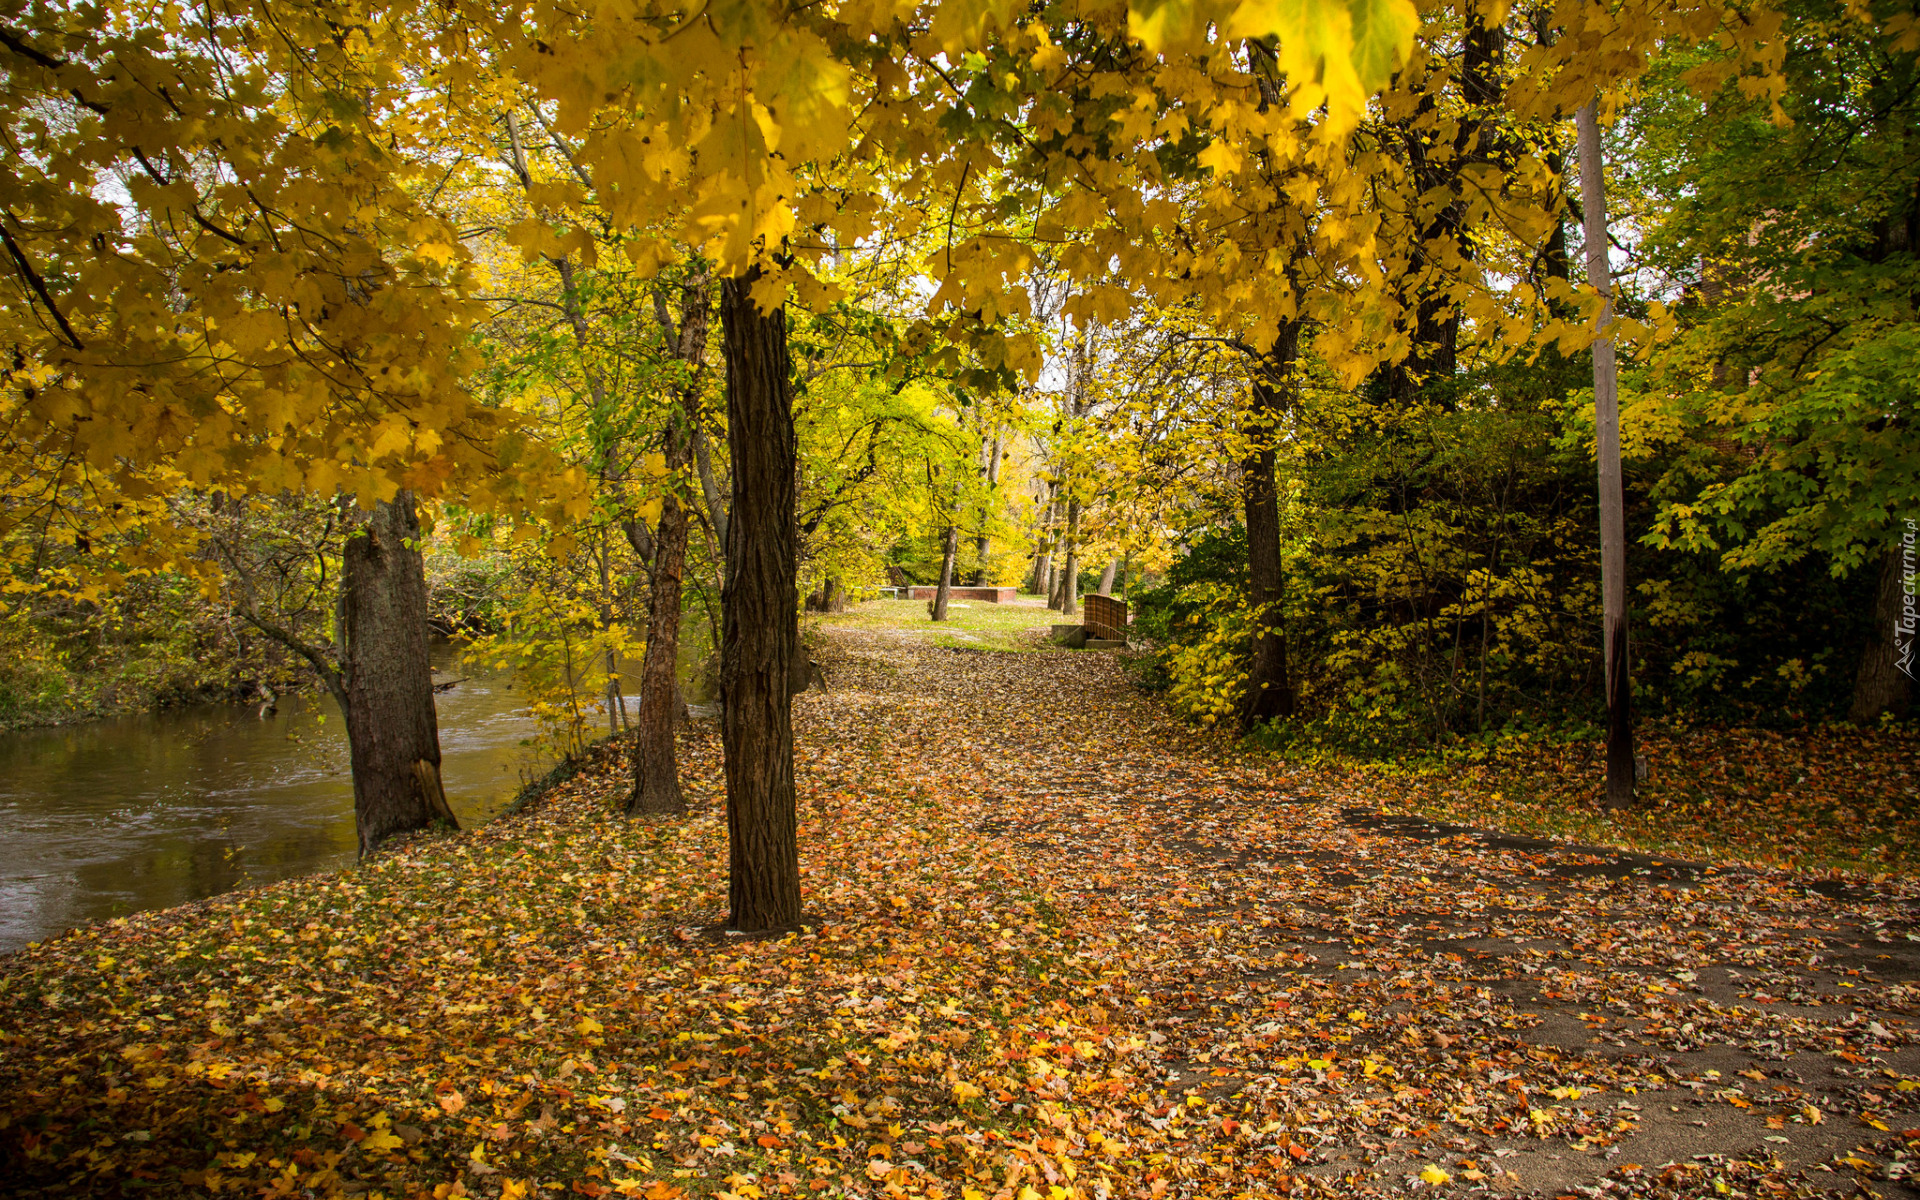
(970, 624)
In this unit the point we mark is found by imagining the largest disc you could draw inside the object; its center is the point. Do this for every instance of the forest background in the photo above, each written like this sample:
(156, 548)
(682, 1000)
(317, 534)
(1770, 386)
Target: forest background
(1273, 323)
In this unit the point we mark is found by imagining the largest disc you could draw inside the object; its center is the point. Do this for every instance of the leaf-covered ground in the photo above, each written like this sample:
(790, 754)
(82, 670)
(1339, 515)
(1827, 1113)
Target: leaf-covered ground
(1057, 946)
(1830, 797)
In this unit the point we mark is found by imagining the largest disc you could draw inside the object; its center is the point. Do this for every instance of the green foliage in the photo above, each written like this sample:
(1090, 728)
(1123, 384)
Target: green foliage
(1199, 625)
(1785, 406)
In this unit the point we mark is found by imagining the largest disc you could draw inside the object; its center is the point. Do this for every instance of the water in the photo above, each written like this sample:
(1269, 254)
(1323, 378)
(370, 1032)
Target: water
(111, 817)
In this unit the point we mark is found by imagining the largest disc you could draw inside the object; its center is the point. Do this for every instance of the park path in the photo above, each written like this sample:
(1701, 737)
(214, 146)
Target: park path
(1055, 945)
(1553, 1020)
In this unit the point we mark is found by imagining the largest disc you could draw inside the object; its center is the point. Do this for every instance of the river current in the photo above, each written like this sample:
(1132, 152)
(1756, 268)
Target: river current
(110, 817)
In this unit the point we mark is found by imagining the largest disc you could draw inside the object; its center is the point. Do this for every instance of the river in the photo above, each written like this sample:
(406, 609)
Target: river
(110, 817)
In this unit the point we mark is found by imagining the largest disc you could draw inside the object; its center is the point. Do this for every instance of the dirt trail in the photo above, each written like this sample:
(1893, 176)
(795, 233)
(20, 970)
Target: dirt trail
(1524, 1016)
(1056, 945)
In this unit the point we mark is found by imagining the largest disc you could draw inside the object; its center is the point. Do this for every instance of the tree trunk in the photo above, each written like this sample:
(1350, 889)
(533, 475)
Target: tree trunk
(1070, 566)
(656, 770)
(758, 609)
(1106, 577)
(1269, 694)
(1613, 525)
(941, 593)
(983, 542)
(386, 692)
(1885, 680)
(1053, 568)
(1041, 583)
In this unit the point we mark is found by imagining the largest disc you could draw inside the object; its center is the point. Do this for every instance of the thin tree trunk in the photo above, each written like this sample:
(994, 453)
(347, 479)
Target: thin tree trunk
(982, 542)
(945, 589)
(1106, 577)
(615, 698)
(1613, 526)
(656, 771)
(1070, 581)
(1042, 578)
(1884, 682)
(1056, 543)
(1269, 694)
(393, 734)
(758, 603)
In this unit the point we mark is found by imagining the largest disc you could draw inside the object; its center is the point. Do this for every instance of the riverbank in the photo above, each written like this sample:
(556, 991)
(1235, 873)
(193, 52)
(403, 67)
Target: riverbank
(1057, 945)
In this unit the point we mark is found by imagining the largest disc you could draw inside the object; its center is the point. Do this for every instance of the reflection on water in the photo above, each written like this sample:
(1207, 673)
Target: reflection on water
(111, 817)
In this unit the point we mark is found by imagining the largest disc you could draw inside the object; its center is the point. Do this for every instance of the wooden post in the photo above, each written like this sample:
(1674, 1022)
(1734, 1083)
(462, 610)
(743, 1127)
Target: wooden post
(1606, 420)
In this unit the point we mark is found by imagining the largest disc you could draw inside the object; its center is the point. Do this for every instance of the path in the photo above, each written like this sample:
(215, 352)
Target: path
(1057, 947)
(1548, 1015)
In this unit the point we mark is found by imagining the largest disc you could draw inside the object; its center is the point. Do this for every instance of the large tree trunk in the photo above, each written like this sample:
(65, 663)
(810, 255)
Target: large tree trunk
(1106, 577)
(758, 609)
(944, 591)
(656, 771)
(1269, 694)
(1070, 564)
(1885, 682)
(1613, 525)
(386, 691)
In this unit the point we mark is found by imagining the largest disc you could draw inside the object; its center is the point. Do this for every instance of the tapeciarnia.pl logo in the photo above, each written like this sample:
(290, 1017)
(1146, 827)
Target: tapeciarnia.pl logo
(1903, 625)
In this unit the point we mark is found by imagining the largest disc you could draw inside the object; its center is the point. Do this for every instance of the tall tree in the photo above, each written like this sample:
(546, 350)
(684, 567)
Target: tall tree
(1269, 694)
(656, 780)
(1606, 414)
(760, 612)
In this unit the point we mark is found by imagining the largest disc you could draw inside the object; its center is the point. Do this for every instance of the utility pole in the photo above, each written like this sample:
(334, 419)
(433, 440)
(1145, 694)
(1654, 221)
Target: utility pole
(1606, 420)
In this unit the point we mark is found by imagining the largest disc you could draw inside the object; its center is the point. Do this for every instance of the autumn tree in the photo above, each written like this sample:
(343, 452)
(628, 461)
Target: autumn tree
(223, 278)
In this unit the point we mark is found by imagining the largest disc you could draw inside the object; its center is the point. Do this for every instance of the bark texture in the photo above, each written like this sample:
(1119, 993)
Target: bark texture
(761, 634)
(1269, 694)
(1882, 684)
(1106, 577)
(386, 687)
(656, 770)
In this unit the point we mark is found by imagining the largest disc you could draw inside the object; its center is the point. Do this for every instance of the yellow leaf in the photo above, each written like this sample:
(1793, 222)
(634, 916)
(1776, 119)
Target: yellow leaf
(381, 1141)
(1434, 1175)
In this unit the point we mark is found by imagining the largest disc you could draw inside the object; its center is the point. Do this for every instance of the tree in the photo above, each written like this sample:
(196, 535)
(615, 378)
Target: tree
(384, 684)
(1786, 223)
(345, 588)
(1613, 524)
(760, 607)
(1269, 694)
(656, 786)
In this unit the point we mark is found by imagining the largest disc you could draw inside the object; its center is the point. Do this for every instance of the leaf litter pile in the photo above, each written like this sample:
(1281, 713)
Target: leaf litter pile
(1057, 945)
